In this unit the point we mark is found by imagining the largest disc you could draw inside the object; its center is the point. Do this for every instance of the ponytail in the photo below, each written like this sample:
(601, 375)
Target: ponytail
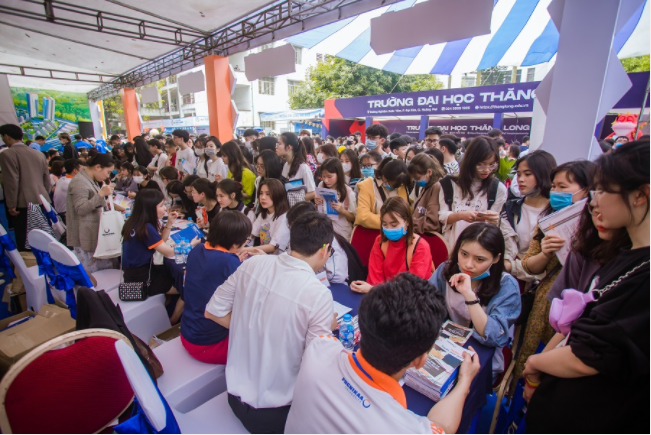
(229, 187)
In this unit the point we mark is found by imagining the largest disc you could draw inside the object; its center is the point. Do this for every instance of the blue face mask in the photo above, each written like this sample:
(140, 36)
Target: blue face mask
(371, 144)
(368, 172)
(394, 234)
(482, 276)
(421, 183)
(388, 187)
(114, 172)
(560, 200)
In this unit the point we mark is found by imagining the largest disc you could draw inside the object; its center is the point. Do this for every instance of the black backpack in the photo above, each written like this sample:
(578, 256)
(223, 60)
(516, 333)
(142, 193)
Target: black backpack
(356, 270)
(448, 191)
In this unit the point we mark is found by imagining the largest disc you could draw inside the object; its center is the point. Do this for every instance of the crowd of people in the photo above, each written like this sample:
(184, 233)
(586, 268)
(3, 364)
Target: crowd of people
(252, 299)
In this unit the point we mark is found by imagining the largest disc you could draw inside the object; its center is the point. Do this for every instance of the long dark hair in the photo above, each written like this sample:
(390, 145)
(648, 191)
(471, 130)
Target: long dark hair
(208, 188)
(278, 197)
(308, 143)
(333, 166)
(395, 172)
(273, 167)
(299, 156)
(229, 187)
(143, 213)
(236, 161)
(177, 188)
(398, 206)
(421, 163)
(143, 155)
(541, 164)
(587, 243)
(355, 169)
(491, 239)
(479, 149)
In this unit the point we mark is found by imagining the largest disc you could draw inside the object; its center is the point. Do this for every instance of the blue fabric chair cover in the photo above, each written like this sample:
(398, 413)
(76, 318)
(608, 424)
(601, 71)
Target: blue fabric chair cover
(51, 216)
(66, 278)
(7, 245)
(45, 267)
(139, 423)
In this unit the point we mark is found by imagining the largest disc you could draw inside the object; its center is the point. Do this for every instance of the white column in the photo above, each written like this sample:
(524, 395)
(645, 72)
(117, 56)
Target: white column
(7, 109)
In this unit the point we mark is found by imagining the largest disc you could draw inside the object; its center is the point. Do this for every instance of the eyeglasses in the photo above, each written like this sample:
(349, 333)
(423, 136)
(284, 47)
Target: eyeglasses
(368, 166)
(332, 250)
(260, 166)
(487, 167)
(432, 140)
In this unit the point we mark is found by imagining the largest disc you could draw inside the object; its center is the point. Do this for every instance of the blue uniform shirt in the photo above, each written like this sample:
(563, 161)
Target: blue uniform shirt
(138, 253)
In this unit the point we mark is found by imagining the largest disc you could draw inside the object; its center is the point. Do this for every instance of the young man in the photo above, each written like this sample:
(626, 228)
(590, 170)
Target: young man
(525, 144)
(376, 136)
(432, 136)
(449, 149)
(495, 133)
(340, 392)
(398, 148)
(25, 177)
(274, 307)
(249, 136)
(305, 133)
(39, 142)
(72, 167)
(158, 162)
(115, 141)
(186, 160)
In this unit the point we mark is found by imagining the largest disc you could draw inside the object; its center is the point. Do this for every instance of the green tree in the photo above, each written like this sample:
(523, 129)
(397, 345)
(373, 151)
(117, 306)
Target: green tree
(340, 78)
(636, 64)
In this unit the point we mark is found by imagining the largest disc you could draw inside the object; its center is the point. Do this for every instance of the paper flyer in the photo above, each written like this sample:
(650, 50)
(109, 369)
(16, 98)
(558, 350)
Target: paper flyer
(563, 223)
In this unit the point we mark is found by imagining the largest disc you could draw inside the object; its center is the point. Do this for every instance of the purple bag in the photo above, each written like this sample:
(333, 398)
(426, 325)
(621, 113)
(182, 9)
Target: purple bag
(566, 309)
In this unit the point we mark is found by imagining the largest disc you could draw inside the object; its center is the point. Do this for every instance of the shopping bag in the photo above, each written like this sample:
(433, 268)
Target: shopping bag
(109, 239)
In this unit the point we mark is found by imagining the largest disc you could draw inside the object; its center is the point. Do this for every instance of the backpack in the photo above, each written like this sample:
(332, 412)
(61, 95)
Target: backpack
(95, 309)
(356, 270)
(448, 192)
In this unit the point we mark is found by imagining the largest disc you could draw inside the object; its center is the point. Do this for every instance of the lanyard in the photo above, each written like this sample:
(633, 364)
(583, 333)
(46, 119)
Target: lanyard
(359, 366)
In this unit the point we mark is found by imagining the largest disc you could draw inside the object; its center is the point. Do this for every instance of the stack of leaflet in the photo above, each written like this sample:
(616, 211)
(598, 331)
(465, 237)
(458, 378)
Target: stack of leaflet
(329, 197)
(439, 374)
(355, 325)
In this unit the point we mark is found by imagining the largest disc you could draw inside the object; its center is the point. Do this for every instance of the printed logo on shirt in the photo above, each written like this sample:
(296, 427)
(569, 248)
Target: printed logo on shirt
(356, 394)
(265, 234)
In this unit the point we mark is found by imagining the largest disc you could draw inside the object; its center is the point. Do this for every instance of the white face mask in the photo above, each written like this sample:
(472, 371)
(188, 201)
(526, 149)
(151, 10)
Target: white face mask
(210, 152)
(199, 151)
(347, 166)
(139, 179)
(320, 158)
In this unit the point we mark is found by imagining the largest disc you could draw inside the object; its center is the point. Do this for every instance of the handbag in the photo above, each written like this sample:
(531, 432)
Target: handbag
(109, 238)
(133, 291)
(529, 296)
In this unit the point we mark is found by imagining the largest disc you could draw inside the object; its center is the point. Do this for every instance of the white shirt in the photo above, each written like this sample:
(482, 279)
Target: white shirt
(186, 161)
(460, 204)
(337, 265)
(272, 323)
(341, 225)
(272, 232)
(332, 395)
(526, 225)
(303, 173)
(60, 193)
(159, 161)
(217, 167)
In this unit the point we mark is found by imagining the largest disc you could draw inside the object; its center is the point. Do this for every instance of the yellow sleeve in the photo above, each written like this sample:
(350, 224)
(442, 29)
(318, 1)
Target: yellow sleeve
(248, 184)
(365, 216)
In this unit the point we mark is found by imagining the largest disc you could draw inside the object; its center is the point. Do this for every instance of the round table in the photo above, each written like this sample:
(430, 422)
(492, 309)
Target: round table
(420, 404)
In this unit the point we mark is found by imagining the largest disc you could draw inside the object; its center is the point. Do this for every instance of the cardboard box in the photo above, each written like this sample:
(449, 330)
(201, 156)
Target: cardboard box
(167, 335)
(50, 322)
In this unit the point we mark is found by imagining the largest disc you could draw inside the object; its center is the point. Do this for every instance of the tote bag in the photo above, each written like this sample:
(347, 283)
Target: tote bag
(109, 238)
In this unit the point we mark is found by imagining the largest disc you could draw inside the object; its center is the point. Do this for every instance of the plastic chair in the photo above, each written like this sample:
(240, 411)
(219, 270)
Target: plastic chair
(214, 416)
(52, 217)
(39, 240)
(74, 383)
(34, 283)
(438, 247)
(187, 383)
(107, 280)
(362, 240)
(143, 318)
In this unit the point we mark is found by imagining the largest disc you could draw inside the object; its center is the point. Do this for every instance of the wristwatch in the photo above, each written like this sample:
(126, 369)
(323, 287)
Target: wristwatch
(476, 301)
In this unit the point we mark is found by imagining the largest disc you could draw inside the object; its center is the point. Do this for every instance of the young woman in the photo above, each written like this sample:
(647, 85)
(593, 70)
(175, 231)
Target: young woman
(202, 162)
(119, 155)
(295, 167)
(170, 147)
(130, 153)
(216, 168)
(412, 151)
(238, 169)
(425, 172)
(602, 369)
(332, 174)
(570, 183)
(397, 249)
(471, 189)
(182, 203)
(209, 266)
(84, 205)
(391, 179)
(267, 165)
(350, 163)
(271, 224)
(326, 151)
(520, 215)
(143, 155)
(124, 181)
(477, 291)
(143, 234)
(229, 196)
(369, 163)
(310, 154)
(204, 193)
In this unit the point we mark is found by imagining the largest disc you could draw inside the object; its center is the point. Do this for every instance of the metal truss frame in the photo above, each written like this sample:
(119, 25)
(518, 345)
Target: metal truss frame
(280, 20)
(44, 73)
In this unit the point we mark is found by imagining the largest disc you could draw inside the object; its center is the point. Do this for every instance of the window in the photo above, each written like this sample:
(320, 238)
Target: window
(531, 74)
(171, 80)
(497, 75)
(266, 86)
(320, 57)
(468, 80)
(298, 55)
(268, 125)
(518, 75)
(292, 86)
(188, 99)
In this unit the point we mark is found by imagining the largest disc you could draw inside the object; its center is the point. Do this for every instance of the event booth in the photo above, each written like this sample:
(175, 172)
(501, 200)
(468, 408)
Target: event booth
(464, 112)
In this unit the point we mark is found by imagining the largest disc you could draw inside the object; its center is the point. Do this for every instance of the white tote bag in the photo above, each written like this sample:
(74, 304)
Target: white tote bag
(109, 239)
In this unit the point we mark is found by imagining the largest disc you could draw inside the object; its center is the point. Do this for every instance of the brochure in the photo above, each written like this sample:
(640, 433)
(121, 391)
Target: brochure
(188, 233)
(563, 223)
(329, 197)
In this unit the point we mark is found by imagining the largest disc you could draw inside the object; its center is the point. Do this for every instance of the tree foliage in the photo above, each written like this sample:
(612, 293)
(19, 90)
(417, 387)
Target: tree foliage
(340, 78)
(636, 64)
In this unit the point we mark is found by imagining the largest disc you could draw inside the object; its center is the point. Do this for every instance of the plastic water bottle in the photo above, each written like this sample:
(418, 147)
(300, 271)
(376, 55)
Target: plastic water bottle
(347, 333)
(187, 247)
(178, 253)
(127, 213)
(189, 220)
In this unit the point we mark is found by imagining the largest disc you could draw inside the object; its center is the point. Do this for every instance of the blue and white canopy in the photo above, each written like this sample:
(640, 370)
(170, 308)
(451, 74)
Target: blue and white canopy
(522, 34)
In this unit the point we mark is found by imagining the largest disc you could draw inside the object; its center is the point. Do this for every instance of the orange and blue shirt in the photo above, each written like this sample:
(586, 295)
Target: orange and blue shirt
(138, 253)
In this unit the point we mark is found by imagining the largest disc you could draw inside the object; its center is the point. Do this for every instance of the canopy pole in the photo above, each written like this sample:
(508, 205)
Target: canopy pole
(639, 118)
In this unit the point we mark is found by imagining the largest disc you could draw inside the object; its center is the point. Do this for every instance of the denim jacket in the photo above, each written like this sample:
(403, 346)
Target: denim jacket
(502, 311)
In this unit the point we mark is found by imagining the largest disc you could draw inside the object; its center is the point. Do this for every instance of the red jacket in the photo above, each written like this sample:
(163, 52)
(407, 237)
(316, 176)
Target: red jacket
(381, 268)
